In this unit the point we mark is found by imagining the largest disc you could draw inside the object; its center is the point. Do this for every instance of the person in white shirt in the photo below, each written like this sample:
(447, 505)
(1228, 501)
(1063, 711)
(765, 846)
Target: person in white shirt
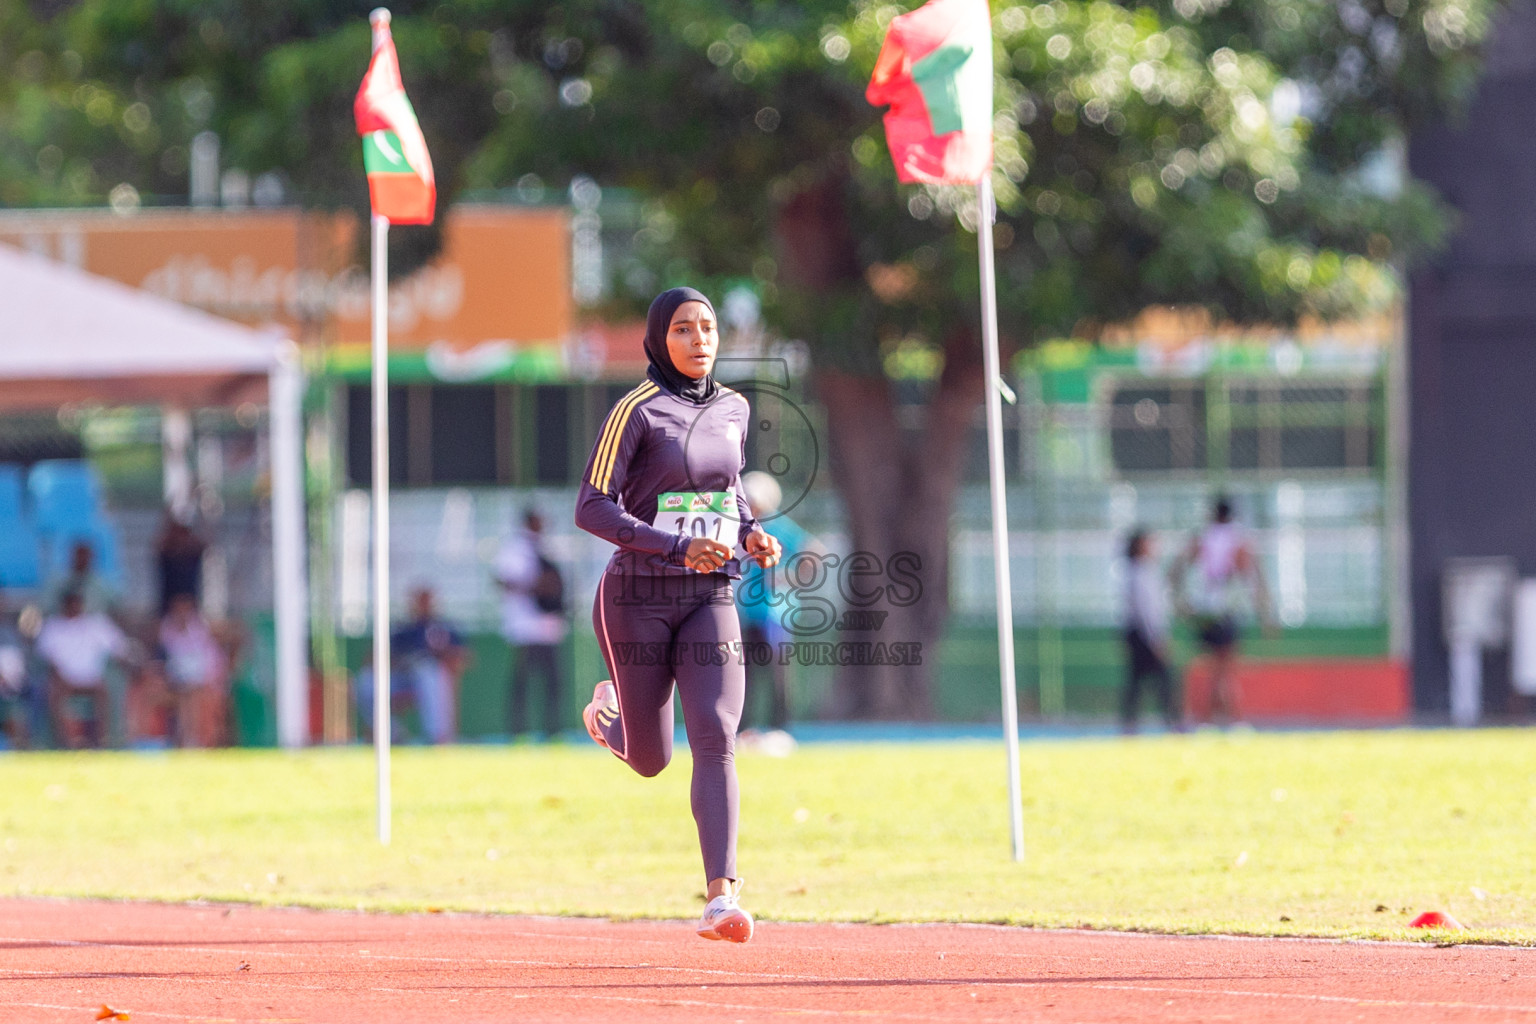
(1145, 620)
(194, 668)
(77, 647)
(1223, 561)
(533, 622)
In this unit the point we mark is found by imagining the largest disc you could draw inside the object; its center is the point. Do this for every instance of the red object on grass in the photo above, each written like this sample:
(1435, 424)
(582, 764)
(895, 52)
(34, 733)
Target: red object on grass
(1434, 919)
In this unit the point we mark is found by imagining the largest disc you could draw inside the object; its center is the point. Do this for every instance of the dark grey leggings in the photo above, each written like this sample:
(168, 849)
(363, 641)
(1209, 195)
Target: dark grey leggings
(657, 629)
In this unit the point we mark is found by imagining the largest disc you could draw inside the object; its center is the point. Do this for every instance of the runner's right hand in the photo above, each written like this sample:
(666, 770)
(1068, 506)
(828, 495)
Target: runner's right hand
(764, 548)
(705, 555)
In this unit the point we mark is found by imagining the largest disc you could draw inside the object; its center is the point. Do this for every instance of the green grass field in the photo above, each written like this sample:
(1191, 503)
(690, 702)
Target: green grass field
(1333, 834)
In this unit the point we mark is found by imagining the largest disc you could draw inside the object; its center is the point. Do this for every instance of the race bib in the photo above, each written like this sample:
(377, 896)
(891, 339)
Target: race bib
(711, 514)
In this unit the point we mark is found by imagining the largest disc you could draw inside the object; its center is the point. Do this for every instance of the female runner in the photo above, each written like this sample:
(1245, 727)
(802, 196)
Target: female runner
(664, 484)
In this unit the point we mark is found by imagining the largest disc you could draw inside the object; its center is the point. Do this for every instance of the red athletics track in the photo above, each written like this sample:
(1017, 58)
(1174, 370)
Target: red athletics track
(63, 960)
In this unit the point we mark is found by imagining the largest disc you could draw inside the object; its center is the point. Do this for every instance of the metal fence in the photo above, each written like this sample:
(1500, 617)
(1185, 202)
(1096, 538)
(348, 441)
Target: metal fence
(1302, 453)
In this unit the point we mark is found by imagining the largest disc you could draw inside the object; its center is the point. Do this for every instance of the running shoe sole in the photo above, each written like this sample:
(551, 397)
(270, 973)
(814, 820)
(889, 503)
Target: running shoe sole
(735, 926)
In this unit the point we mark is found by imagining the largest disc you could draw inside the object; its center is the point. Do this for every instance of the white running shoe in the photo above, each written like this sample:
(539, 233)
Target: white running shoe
(603, 708)
(724, 919)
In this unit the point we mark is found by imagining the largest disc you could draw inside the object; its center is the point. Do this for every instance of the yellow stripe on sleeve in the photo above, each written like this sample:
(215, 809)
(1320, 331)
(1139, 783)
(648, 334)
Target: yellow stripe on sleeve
(606, 440)
(618, 435)
(613, 431)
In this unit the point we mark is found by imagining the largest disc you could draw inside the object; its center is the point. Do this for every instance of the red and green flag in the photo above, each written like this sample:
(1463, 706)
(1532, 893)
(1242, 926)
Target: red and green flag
(400, 184)
(935, 72)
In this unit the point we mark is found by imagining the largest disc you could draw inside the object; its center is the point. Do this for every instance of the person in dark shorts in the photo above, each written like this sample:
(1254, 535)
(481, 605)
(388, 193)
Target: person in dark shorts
(179, 561)
(1223, 561)
(1146, 633)
(663, 483)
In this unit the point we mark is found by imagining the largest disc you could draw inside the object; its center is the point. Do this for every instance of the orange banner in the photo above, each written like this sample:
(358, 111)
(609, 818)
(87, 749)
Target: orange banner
(502, 279)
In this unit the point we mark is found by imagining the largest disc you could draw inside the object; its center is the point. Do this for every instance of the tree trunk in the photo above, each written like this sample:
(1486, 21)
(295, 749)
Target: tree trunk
(898, 483)
(899, 487)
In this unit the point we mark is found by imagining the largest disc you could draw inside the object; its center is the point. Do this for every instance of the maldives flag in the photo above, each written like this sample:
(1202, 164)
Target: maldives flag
(400, 183)
(935, 71)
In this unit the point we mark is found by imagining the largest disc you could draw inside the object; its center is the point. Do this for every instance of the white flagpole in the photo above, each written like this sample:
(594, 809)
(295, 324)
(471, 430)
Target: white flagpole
(986, 212)
(380, 288)
(381, 715)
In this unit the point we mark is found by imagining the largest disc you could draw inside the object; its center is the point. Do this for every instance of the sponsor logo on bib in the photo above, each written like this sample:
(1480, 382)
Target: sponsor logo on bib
(674, 501)
(699, 502)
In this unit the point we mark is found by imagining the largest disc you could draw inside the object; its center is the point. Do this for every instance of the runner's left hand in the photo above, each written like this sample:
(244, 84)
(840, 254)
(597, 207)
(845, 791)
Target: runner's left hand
(705, 555)
(764, 548)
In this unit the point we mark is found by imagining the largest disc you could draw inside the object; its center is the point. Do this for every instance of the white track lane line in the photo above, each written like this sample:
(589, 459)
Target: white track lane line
(1036, 985)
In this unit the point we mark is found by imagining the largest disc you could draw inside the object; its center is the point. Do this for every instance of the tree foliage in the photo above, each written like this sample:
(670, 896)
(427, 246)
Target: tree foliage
(1227, 153)
(1191, 151)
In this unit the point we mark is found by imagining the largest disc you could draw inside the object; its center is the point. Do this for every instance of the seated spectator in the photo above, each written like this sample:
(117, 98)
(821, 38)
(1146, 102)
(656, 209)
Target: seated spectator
(14, 691)
(427, 656)
(194, 670)
(77, 647)
(82, 579)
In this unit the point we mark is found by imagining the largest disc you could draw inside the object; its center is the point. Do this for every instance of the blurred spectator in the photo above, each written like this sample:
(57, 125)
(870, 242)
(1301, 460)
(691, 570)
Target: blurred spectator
(762, 600)
(179, 561)
(195, 671)
(1223, 560)
(77, 647)
(427, 656)
(83, 580)
(1145, 621)
(14, 691)
(533, 608)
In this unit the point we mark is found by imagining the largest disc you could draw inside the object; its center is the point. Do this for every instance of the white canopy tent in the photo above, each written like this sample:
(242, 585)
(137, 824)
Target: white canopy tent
(68, 336)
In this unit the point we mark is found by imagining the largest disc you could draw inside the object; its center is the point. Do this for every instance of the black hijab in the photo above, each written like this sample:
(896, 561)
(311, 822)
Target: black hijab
(661, 370)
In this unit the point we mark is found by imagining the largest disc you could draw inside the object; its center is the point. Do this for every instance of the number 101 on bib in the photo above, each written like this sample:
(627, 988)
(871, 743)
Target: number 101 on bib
(709, 514)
